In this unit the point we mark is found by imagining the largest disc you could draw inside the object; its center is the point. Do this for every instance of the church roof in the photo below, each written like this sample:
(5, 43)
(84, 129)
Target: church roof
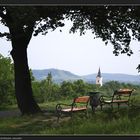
(99, 73)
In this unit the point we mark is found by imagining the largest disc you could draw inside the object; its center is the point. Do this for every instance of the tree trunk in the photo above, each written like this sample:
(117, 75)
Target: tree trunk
(23, 89)
(21, 27)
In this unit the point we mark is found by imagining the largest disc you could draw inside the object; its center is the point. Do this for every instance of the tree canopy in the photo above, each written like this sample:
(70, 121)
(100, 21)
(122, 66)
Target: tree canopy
(116, 24)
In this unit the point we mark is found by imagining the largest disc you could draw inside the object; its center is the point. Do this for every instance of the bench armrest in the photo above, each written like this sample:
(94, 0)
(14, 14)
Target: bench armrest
(60, 106)
(103, 98)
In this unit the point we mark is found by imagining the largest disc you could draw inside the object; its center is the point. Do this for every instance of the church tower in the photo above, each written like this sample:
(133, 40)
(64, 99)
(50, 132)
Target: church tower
(99, 78)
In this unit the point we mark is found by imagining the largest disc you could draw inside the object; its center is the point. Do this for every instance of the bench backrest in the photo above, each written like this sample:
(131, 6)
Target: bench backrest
(123, 93)
(82, 100)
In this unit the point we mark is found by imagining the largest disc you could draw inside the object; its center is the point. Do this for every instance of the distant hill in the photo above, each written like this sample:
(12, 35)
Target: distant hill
(61, 75)
(114, 77)
(58, 75)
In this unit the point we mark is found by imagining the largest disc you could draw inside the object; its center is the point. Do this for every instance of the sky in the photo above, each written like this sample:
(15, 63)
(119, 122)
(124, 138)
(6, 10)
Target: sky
(80, 55)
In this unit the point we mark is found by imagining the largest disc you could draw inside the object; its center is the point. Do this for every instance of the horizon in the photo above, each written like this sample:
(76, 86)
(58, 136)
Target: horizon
(84, 74)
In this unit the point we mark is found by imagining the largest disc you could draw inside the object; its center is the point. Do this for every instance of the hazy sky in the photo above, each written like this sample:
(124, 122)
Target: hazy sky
(79, 54)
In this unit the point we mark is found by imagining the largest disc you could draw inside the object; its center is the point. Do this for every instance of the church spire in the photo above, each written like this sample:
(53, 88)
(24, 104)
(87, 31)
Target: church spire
(99, 73)
(99, 78)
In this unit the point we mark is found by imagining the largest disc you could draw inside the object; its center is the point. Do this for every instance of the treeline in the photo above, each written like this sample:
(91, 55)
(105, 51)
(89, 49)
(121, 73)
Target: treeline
(46, 90)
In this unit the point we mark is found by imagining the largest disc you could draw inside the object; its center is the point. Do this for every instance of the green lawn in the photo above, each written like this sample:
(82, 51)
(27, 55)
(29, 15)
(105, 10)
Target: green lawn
(125, 121)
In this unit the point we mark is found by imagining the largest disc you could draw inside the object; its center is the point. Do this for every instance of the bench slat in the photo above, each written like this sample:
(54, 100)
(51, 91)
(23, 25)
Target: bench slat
(82, 99)
(74, 109)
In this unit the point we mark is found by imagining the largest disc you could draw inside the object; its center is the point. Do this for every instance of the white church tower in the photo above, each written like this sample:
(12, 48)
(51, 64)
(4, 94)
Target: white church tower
(99, 78)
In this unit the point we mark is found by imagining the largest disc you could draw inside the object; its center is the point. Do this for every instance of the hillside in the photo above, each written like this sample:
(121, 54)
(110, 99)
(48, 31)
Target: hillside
(58, 75)
(61, 75)
(114, 77)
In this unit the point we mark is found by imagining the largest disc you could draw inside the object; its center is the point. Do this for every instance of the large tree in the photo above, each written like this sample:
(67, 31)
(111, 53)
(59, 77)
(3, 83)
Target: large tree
(119, 25)
(22, 23)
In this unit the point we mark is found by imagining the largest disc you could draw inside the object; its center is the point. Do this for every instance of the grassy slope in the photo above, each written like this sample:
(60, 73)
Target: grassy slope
(125, 121)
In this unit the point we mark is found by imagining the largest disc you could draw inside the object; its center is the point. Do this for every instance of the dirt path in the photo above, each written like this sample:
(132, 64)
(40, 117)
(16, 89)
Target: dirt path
(9, 113)
(16, 113)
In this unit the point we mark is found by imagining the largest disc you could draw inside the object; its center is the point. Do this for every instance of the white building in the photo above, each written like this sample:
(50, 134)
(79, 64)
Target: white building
(99, 78)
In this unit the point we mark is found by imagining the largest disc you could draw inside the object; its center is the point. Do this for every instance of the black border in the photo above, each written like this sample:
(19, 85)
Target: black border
(70, 2)
(82, 137)
(40, 137)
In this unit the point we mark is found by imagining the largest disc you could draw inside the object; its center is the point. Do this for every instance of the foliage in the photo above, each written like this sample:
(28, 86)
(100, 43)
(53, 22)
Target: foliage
(7, 95)
(44, 92)
(37, 91)
(66, 88)
(79, 86)
(32, 76)
(117, 24)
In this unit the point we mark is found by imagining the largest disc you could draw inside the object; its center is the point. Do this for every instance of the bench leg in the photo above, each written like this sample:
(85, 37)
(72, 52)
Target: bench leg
(58, 116)
(87, 113)
(58, 119)
(118, 106)
(128, 103)
(101, 107)
(111, 106)
(93, 109)
(71, 114)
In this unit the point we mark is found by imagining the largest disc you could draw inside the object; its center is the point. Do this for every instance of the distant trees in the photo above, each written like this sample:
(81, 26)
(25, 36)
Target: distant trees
(71, 89)
(109, 87)
(66, 88)
(79, 86)
(49, 84)
(7, 95)
(46, 90)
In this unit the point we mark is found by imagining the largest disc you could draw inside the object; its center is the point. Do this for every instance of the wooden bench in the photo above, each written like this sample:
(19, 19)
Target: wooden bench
(78, 104)
(121, 96)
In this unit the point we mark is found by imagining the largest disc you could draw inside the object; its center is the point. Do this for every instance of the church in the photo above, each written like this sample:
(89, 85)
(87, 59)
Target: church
(99, 78)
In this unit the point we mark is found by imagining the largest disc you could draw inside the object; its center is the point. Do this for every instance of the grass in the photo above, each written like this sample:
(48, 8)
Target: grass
(52, 105)
(123, 122)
